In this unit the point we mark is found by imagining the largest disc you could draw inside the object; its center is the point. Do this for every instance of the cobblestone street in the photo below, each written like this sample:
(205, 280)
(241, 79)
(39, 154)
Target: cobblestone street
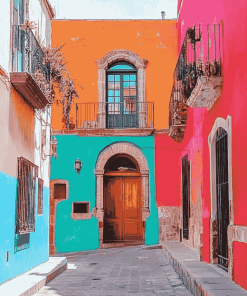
(116, 272)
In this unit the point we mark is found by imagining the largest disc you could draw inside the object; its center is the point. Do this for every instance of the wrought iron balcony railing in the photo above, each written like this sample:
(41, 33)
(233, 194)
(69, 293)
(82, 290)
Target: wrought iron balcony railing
(192, 71)
(27, 57)
(119, 115)
(27, 53)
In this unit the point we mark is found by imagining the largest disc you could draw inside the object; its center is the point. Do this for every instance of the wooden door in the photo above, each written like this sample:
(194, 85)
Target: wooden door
(122, 206)
(186, 195)
(132, 219)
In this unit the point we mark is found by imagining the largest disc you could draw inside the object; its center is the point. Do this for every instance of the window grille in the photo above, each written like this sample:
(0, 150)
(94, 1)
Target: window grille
(40, 196)
(27, 173)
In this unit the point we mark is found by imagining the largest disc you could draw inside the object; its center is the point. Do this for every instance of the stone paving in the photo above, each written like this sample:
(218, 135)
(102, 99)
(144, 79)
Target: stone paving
(117, 272)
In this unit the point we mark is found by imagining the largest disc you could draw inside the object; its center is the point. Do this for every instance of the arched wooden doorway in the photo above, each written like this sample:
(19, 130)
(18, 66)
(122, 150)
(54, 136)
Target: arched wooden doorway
(122, 201)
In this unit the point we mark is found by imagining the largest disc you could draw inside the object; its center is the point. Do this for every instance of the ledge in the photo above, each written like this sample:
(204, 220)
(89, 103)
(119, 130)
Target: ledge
(107, 132)
(81, 216)
(29, 89)
(206, 92)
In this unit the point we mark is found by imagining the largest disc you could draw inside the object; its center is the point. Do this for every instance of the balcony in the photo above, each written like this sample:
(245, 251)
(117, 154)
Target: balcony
(128, 117)
(27, 57)
(197, 80)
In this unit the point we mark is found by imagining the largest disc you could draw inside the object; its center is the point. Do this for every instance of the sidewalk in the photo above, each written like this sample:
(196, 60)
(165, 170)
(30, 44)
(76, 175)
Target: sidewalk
(33, 280)
(199, 277)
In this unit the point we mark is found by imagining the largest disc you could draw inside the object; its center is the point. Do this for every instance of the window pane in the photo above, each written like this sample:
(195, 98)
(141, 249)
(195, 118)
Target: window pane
(132, 77)
(110, 77)
(117, 85)
(132, 92)
(132, 84)
(117, 99)
(110, 99)
(126, 77)
(126, 84)
(126, 92)
(110, 92)
(117, 77)
(121, 67)
(117, 93)
(110, 85)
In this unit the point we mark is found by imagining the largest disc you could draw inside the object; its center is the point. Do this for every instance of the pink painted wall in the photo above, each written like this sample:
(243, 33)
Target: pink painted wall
(240, 269)
(167, 155)
(233, 102)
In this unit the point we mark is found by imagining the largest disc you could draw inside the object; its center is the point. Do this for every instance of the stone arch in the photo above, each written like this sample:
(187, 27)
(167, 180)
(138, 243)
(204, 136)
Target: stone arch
(227, 126)
(114, 56)
(109, 151)
(121, 55)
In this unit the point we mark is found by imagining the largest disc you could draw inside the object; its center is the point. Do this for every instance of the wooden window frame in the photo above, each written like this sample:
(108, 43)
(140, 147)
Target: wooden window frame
(40, 196)
(26, 196)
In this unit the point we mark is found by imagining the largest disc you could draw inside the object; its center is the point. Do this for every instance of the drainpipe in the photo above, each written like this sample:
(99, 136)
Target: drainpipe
(163, 15)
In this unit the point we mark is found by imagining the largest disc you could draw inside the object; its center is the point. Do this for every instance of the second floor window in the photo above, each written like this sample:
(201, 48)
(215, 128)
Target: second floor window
(121, 104)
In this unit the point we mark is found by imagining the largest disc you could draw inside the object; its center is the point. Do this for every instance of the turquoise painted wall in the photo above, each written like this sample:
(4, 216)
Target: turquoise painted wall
(38, 250)
(79, 235)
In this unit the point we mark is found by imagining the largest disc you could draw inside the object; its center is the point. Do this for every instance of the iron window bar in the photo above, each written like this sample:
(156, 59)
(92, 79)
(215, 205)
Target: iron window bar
(27, 174)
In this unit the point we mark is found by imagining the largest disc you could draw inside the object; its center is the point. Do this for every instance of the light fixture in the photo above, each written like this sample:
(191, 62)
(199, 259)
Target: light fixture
(53, 148)
(78, 166)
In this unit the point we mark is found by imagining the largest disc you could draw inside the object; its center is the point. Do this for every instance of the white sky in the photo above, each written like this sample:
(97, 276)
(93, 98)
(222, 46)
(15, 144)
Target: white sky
(114, 9)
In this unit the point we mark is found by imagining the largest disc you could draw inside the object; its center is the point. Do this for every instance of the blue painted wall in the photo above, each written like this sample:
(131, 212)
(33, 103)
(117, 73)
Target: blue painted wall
(78, 235)
(38, 250)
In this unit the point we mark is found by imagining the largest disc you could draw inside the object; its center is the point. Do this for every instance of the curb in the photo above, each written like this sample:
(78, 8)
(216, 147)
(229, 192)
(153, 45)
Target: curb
(33, 280)
(200, 278)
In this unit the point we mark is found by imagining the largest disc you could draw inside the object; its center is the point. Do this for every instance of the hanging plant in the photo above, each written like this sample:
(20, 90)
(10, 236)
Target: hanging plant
(58, 78)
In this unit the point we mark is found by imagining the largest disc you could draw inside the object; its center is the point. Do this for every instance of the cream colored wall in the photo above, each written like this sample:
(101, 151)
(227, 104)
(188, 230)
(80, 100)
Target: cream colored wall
(42, 144)
(21, 126)
(39, 14)
(5, 35)
(17, 129)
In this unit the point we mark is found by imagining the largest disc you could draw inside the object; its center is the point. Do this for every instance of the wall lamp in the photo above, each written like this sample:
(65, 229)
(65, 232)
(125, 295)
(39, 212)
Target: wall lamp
(53, 148)
(78, 166)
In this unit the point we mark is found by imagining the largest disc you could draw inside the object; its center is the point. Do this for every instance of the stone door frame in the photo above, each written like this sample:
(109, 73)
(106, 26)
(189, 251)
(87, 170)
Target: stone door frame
(227, 126)
(109, 151)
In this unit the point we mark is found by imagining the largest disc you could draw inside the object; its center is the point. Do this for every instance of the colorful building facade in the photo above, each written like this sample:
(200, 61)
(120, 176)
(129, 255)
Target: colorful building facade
(25, 139)
(124, 99)
(189, 153)
(207, 122)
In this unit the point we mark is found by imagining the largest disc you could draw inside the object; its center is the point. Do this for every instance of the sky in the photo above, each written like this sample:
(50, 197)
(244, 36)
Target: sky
(114, 9)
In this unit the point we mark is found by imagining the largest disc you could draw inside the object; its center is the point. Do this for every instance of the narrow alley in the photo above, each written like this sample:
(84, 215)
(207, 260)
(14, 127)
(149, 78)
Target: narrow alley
(125, 271)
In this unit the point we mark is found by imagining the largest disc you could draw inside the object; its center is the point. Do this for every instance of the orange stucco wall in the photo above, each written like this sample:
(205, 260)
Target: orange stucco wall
(87, 41)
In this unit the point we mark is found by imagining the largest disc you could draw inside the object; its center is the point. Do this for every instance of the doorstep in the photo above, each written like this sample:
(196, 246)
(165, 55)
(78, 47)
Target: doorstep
(200, 278)
(30, 282)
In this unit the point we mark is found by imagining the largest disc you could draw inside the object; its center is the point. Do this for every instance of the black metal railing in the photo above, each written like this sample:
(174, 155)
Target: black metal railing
(191, 65)
(118, 115)
(27, 54)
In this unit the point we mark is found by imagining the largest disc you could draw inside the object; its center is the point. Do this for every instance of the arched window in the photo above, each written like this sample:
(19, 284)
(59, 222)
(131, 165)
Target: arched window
(121, 98)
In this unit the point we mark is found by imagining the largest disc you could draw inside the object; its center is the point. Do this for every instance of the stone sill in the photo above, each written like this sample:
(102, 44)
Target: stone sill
(81, 216)
(206, 92)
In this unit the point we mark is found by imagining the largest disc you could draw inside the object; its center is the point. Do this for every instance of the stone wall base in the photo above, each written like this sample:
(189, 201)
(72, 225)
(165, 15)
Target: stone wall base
(169, 223)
